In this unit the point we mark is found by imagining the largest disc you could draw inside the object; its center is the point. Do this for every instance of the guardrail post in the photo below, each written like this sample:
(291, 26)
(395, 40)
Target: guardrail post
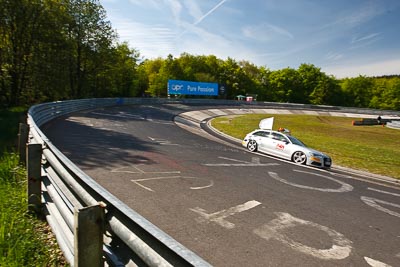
(34, 173)
(22, 141)
(88, 233)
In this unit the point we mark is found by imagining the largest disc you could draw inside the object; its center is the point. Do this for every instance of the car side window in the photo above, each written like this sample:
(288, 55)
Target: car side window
(279, 137)
(257, 133)
(261, 133)
(265, 133)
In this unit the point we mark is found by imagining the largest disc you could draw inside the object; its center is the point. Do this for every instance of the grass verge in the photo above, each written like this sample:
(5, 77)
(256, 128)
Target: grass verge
(374, 149)
(24, 239)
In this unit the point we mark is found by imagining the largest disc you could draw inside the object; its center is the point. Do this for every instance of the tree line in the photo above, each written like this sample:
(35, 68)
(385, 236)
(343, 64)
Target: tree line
(67, 49)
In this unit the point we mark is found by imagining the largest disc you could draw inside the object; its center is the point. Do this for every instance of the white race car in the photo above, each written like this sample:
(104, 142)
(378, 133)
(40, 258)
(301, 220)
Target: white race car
(285, 146)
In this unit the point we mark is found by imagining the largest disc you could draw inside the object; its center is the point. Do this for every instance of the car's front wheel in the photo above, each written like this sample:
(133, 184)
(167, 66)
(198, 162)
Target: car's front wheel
(252, 145)
(299, 157)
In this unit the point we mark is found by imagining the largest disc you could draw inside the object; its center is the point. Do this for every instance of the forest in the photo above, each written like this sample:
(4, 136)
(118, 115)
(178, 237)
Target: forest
(54, 50)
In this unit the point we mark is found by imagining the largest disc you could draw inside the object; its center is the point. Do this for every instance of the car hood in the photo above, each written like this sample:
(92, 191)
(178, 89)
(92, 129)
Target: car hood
(317, 152)
(308, 150)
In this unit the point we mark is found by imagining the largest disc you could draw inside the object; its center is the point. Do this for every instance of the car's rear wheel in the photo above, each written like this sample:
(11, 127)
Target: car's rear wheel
(299, 157)
(252, 145)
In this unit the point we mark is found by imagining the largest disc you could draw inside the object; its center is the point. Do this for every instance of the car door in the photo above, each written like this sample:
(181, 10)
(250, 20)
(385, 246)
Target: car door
(261, 138)
(279, 145)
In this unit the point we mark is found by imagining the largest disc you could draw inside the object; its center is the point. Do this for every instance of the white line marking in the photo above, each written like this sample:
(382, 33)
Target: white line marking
(373, 203)
(156, 178)
(149, 179)
(375, 263)
(340, 249)
(344, 188)
(119, 115)
(142, 186)
(141, 171)
(384, 192)
(239, 164)
(137, 181)
(219, 217)
(255, 163)
(203, 187)
(162, 141)
(235, 160)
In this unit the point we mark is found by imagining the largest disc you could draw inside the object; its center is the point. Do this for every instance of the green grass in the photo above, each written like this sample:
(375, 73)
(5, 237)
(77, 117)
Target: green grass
(375, 149)
(25, 240)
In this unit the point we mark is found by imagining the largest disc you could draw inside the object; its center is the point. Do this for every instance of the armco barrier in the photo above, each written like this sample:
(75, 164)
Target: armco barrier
(90, 224)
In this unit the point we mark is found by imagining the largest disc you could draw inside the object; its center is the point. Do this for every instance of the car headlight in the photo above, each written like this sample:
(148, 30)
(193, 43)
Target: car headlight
(315, 156)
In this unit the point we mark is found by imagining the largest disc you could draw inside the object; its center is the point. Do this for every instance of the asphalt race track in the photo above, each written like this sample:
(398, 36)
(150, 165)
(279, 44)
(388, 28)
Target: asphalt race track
(230, 206)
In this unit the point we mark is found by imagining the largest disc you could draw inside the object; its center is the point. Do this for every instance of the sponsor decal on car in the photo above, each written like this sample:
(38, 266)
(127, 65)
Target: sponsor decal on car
(280, 146)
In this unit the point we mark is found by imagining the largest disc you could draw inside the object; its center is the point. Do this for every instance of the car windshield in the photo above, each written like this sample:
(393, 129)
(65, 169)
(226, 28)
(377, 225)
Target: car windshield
(296, 141)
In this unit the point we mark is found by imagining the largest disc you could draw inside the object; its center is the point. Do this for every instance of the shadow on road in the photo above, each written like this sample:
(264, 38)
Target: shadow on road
(93, 146)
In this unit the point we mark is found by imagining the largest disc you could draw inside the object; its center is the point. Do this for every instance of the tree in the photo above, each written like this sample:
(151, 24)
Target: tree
(116, 72)
(286, 86)
(20, 25)
(89, 34)
(230, 78)
(155, 82)
(326, 92)
(357, 91)
(386, 93)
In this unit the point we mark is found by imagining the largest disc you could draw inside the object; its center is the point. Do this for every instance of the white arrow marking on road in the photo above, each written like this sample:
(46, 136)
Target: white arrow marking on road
(344, 188)
(340, 249)
(219, 216)
(373, 203)
(384, 192)
(375, 263)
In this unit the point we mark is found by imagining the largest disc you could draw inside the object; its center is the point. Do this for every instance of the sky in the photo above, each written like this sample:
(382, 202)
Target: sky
(345, 38)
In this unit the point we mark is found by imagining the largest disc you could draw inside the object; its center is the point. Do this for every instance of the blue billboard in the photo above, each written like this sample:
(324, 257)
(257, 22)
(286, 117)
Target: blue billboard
(176, 87)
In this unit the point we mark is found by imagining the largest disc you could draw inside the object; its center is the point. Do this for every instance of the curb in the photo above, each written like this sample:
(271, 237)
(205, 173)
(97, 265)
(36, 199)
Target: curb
(205, 116)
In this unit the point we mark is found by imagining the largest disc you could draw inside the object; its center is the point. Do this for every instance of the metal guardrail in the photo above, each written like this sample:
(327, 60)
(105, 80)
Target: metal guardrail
(93, 227)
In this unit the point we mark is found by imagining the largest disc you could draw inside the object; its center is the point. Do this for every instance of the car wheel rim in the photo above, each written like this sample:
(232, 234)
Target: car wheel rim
(299, 157)
(252, 146)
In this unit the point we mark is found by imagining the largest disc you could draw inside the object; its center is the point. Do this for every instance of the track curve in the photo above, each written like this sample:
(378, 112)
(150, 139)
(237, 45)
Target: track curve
(231, 207)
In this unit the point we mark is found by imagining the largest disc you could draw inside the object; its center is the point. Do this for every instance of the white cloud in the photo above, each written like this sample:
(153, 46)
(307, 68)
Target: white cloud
(193, 9)
(333, 56)
(358, 42)
(364, 38)
(146, 4)
(266, 32)
(193, 26)
(387, 67)
(210, 11)
(151, 41)
(176, 8)
(355, 18)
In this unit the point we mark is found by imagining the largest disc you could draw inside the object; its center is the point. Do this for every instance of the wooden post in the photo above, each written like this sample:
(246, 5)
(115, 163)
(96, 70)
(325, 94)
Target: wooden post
(22, 141)
(34, 173)
(88, 236)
